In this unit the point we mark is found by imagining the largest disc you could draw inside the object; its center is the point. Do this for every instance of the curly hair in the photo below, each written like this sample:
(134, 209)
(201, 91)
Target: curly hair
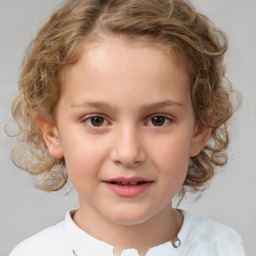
(173, 23)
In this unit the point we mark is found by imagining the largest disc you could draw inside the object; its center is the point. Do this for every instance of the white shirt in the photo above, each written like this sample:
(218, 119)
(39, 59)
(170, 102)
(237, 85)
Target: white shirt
(198, 236)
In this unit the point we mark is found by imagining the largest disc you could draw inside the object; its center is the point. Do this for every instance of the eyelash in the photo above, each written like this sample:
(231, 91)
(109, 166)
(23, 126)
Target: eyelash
(89, 119)
(166, 120)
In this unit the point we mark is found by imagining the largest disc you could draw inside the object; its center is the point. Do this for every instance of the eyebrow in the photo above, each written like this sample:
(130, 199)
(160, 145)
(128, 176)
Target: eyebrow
(90, 104)
(162, 104)
(147, 107)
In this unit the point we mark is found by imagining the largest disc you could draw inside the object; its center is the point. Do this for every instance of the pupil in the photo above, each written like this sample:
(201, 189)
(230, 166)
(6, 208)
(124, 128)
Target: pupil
(158, 120)
(97, 121)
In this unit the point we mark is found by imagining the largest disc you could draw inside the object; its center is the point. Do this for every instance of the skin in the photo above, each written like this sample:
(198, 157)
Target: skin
(126, 86)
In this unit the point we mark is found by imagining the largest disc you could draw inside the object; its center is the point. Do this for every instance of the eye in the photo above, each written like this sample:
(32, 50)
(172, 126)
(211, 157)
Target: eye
(95, 121)
(159, 121)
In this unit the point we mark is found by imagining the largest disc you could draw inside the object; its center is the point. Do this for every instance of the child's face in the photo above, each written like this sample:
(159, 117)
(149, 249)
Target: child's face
(126, 116)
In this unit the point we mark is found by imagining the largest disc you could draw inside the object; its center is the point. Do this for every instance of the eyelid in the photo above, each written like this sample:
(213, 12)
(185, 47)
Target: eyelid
(87, 118)
(167, 117)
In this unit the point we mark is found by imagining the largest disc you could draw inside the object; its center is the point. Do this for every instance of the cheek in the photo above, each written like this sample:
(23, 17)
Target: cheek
(83, 161)
(172, 169)
(172, 156)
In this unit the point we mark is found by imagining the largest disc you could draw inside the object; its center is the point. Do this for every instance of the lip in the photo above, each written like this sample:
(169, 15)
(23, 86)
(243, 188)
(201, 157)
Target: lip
(124, 190)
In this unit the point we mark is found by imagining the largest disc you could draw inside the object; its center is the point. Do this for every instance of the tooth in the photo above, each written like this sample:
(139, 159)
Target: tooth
(132, 183)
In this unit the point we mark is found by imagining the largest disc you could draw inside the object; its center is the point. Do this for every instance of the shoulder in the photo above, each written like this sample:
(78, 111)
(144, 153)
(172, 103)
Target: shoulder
(208, 235)
(211, 228)
(50, 241)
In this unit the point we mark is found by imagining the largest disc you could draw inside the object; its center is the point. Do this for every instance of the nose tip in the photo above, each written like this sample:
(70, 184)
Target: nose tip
(129, 156)
(129, 161)
(128, 151)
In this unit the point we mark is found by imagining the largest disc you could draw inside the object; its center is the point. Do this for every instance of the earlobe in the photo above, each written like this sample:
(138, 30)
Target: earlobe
(51, 137)
(201, 136)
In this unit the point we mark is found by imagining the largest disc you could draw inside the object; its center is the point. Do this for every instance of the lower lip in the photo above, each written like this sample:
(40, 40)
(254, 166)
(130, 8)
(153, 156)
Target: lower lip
(128, 191)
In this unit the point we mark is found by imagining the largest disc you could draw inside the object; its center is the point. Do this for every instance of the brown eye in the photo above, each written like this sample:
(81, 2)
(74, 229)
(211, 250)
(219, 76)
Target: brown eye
(96, 121)
(159, 121)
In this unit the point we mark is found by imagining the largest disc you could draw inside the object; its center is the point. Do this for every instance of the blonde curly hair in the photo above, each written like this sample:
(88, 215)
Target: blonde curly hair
(172, 23)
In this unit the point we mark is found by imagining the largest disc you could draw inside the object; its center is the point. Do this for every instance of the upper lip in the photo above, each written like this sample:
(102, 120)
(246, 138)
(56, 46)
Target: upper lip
(125, 180)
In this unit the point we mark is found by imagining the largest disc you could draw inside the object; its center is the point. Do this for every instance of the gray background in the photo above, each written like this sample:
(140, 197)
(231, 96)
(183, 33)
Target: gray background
(231, 197)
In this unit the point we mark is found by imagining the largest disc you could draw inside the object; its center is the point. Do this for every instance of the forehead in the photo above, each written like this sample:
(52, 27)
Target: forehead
(101, 48)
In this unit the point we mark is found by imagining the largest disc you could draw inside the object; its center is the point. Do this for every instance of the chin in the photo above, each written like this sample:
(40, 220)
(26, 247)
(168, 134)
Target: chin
(129, 222)
(130, 218)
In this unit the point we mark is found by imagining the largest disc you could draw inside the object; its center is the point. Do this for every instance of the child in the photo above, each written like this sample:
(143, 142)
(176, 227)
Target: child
(127, 99)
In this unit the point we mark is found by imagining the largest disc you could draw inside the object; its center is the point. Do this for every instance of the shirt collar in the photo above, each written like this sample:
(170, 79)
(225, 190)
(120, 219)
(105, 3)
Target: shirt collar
(84, 244)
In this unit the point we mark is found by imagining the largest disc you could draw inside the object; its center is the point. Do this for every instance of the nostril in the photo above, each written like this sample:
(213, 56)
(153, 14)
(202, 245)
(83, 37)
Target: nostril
(127, 150)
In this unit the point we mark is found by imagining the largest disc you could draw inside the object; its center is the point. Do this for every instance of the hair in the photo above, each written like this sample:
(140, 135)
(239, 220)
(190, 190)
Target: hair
(173, 23)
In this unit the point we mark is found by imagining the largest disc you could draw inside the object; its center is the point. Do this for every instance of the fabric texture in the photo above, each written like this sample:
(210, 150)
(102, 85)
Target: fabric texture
(198, 236)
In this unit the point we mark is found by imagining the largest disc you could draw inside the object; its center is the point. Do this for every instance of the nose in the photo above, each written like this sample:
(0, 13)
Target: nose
(128, 148)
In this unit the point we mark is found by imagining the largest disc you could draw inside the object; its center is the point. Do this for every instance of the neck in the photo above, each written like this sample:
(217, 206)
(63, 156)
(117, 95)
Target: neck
(161, 228)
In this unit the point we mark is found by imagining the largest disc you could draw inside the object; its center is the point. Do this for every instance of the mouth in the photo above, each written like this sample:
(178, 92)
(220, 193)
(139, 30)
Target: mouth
(128, 187)
(132, 183)
(122, 181)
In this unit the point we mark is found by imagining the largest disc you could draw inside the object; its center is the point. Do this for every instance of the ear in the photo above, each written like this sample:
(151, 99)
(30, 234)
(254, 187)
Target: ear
(202, 134)
(51, 137)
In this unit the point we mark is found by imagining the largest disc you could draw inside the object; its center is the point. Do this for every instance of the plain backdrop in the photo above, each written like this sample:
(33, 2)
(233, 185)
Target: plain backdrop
(231, 196)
